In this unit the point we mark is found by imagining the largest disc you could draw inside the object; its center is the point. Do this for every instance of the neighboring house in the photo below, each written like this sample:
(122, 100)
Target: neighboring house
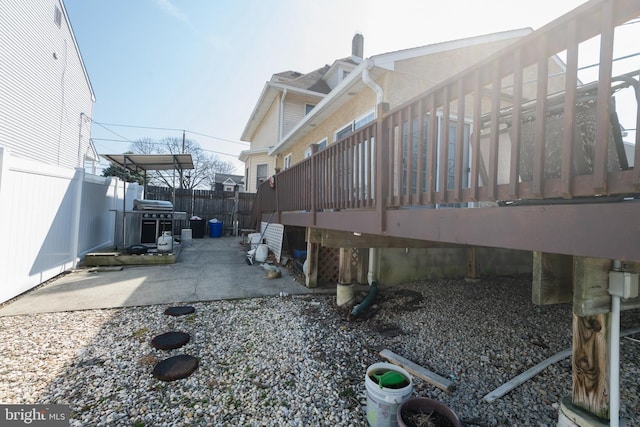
(46, 99)
(58, 210)
(300, 114)
(227, 182)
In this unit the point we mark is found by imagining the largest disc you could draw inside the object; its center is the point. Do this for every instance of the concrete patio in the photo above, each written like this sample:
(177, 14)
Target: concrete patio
(207, 269)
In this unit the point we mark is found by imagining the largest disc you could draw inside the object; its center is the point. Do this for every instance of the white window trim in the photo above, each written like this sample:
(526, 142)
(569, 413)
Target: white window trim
(370, 113)
(342, 129)
(286, 163)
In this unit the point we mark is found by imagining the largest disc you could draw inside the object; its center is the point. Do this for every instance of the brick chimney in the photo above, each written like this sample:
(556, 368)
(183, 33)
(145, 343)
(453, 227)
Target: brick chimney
(357, 48)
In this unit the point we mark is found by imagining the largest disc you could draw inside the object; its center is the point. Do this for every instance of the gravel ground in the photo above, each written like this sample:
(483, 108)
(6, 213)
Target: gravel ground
(299, 361)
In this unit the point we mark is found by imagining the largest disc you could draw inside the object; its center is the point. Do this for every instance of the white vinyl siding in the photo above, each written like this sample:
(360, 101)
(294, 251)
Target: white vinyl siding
(41, 97)
(295, 110)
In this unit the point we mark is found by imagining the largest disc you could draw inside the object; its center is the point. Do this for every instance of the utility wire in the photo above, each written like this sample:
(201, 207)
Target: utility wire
(161, 143)
(173, 130)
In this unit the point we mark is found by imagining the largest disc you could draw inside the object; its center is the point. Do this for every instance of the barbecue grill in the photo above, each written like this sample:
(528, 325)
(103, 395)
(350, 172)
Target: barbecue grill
(154, 217)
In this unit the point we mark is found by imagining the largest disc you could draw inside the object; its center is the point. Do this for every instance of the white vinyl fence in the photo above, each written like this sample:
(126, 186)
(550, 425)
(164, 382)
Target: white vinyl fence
(50, 217)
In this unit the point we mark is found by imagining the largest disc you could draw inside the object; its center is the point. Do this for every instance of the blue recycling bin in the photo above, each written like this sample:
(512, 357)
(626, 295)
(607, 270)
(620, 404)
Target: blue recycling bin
(215, 228)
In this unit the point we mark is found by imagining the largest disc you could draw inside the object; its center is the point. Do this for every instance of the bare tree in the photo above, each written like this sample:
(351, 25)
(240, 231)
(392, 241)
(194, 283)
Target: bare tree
(205, 165)
(187, 178)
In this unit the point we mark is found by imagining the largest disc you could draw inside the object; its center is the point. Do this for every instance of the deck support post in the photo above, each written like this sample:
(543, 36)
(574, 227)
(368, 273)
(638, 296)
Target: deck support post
(345, 293)
(313, 249)
(589, 403)
(472, 265)
(362, 268)
(552, 278)
(344, 272)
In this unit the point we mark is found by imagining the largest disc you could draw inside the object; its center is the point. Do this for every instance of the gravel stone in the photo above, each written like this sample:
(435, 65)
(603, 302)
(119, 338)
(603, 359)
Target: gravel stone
(300, 360)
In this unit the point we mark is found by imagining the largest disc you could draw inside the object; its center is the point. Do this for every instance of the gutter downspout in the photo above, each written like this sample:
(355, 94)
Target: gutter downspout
(373, 252)
(281, 127)
(373, 292)
(366, 79)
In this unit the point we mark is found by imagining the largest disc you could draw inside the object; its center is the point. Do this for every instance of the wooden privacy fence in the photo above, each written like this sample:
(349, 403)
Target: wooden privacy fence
(233, 209)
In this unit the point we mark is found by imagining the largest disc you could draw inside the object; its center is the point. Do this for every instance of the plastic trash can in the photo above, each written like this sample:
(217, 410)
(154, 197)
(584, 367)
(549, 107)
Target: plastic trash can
(215, 228)
(197, 225)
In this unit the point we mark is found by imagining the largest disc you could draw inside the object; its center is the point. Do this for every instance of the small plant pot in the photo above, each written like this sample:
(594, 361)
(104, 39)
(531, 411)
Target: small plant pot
(425, 412)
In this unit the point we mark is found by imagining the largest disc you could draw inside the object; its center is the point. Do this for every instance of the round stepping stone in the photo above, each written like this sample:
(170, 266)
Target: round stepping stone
(170, 340)
(175, 368)
(179, 310)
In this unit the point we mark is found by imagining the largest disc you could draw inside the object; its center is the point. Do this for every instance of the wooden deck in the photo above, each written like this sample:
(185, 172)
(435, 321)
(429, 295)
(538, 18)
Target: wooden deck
(537, 164)
(560, 185)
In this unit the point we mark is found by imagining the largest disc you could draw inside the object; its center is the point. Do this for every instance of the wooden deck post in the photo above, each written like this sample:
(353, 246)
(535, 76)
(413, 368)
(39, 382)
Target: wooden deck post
(590, 359)
(362, 269)
(552, 278)
(344, 272)
(313, 249)
(472, 265)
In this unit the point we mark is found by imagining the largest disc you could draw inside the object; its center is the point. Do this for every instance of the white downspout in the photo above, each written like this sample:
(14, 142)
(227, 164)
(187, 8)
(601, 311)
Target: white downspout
(614, 352)
(622, 284)
(281, 130)
(366, 79)
(373, 262)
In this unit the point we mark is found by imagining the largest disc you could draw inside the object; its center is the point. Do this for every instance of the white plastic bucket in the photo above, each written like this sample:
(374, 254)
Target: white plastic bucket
(383, 402)
(262, 252)
(254, 240)
(186, 236)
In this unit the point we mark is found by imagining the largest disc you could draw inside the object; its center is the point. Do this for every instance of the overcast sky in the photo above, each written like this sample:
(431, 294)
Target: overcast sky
(200, 65)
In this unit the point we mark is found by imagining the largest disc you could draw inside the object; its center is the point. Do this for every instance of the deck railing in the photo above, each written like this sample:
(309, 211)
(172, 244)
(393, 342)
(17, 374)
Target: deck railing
(477, 138)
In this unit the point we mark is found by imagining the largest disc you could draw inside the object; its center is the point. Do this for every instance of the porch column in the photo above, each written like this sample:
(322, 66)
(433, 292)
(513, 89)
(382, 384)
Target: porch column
(552, 278)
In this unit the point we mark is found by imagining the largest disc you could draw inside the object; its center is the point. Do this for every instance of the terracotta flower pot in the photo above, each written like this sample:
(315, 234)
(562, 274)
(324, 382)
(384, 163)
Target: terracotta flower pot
(422, 408)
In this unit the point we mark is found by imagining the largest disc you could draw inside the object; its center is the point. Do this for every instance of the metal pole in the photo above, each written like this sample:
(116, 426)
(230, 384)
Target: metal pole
(124, 203)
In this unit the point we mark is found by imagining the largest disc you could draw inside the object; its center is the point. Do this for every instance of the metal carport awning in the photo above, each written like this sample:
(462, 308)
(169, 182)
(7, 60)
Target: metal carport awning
(147, 162)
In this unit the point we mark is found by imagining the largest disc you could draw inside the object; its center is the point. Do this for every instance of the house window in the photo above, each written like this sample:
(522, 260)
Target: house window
(315, 148)
(308, 108)
(354, 125)
(57, 16)
(261, 174)
(411, 142)
(344, 132)
(287, 161)
(364, 120)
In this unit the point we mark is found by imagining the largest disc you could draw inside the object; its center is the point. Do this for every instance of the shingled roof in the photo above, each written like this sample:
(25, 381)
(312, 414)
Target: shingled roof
(311, 81)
